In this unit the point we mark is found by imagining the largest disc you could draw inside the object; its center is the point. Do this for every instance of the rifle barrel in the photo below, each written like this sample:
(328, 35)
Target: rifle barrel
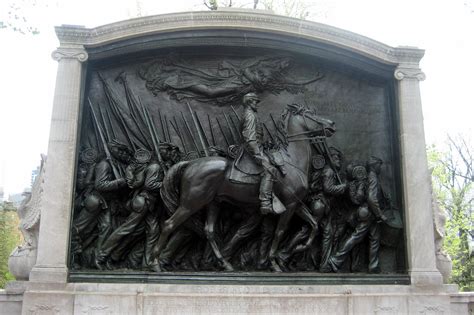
(176, 130)
(188, 129)
(211, 129)
(234, 137)
(199, 131)
(104, 144)
(236, 115)
(223, 133)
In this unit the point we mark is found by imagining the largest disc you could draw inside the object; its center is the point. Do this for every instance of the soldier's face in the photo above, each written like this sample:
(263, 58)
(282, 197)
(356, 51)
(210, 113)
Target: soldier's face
(378, 168)
(336, 160)
(253, 103)
(120, 154)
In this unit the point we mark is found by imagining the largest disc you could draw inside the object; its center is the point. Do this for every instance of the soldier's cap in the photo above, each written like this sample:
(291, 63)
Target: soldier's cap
(166, 146)
(89, 155)
(142, 156)
(333, 151)
(250, 96)
(373, 160)
(117, 144)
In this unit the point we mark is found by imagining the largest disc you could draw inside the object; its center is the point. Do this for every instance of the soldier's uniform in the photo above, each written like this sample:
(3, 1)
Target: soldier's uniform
(97, 205)
(333, 223)
(146, 180)
(367, 195)
(252, 133)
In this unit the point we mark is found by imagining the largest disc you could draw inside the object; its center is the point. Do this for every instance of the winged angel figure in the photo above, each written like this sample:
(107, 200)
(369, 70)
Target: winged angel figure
(224, 83)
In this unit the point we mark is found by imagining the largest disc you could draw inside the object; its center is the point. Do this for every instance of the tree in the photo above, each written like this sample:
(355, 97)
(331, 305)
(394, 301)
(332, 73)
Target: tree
(15, 16)
(301, 9)
(10, 237)
(453, 179)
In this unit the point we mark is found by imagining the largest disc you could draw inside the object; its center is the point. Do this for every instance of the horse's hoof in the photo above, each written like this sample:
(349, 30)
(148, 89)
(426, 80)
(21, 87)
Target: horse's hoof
(227, 266)
(275, 266)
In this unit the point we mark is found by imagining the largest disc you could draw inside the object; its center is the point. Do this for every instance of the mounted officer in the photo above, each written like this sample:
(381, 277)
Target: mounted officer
(252, 133)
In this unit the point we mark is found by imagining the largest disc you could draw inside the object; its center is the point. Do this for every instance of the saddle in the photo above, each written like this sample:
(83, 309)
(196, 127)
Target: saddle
(245, 170)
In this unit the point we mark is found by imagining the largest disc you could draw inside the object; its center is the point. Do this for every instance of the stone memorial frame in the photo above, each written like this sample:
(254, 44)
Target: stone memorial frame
(50, 288)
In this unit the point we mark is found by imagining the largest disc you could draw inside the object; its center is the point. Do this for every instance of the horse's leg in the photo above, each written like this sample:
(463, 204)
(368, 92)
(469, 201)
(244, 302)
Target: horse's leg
(304, 214)
(279, 233)
(181, 214)
(244, 231)
(212, 214)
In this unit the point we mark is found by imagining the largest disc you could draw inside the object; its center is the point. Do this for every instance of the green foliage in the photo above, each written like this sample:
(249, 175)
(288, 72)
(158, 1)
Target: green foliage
(15, 17)
(453, 185)
(10, 237)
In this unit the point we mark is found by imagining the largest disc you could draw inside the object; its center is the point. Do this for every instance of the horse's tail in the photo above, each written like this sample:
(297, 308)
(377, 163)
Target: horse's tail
(170, 193)
(170, 187)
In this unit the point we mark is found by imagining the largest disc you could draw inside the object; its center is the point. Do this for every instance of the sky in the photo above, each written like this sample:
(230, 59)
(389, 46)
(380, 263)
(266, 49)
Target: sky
(444, 28)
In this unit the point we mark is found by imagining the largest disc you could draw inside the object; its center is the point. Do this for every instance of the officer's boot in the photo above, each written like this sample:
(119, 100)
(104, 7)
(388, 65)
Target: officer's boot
(265, 196)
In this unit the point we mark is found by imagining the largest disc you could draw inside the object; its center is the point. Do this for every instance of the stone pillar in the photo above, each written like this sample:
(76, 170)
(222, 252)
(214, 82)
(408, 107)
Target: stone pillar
(51, 263)
(416, 181)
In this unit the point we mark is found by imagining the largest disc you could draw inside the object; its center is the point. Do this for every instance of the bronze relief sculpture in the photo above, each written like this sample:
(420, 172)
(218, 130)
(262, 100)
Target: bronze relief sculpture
(184, 166)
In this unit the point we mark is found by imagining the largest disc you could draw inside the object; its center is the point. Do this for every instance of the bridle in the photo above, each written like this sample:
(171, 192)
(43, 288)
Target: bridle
(307, 135)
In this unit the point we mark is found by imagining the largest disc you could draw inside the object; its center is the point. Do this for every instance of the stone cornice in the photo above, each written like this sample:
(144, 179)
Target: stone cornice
(243, 20)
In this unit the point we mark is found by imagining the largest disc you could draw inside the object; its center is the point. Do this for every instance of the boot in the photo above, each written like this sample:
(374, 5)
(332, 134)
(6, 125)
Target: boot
(265, 196)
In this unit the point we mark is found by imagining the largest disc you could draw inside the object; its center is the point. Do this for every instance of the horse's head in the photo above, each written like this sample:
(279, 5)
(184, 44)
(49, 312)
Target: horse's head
(305, 120)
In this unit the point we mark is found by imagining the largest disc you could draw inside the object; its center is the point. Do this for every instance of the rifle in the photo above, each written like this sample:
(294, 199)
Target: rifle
(188, 129)
(199, 131)
(239, 135)
(268, 131)
(322, 146)
(276, 127)
(162, 126)
(108, 137)
(234, 138)
(154, 138)
(104, 144)
(132, 106)
(236, 115)
(176, 129)
(116, 112)
(110, 124)
(222, 131)
(212, 131)
(167, 129)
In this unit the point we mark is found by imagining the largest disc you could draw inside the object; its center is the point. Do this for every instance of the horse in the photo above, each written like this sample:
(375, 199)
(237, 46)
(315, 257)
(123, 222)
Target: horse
(201, 184)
